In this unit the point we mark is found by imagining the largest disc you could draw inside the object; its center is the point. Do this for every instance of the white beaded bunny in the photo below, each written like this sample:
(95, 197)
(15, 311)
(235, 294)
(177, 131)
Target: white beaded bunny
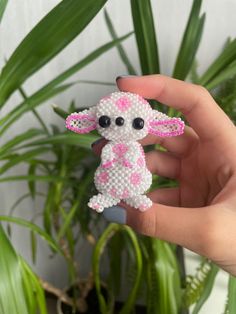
(123, 119)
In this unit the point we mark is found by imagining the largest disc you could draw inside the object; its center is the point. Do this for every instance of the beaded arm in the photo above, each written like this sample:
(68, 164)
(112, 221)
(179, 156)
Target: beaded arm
(107, 156)
(135, 155)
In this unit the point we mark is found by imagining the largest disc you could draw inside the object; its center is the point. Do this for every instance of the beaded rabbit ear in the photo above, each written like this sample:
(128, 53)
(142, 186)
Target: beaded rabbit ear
(164, 126)
(82, 122)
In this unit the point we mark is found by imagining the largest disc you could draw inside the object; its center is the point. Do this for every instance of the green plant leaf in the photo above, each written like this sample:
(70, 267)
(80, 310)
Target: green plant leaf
(96, 82)
(110, 231)
(29, 134)
(68, 220)
(35, 113)
(12, 298)
(164, 289)
(31, 102)
(193, 74)
(225, 96)
(20, 290)
(190, 42)
(33, 178)
(119, 46)
(33, 290)
(226, 74)
(220, 65)
(231, 295)
(115, 253)
(129, 304)
(69, 138)
(44, 235)
(84, 193)
(51, 89)
(15, 160)
(67, 233)
(98, 250)
(207, 288)
(145, 36)
(48, 208)
(21, 199)
(60, 112)
(53, 33)
(31, 184)
(85, 61)
(3, 4)
(33, 242)
(194, 284)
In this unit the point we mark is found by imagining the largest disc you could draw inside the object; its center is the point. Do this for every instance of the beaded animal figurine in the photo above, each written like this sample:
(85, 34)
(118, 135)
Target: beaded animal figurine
(123, 118)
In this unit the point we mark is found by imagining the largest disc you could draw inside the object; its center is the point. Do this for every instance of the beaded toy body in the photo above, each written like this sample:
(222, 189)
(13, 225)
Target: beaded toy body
(123, 119)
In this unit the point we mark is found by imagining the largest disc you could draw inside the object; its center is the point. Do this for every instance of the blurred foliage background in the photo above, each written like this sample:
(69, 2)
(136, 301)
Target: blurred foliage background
(152, 271)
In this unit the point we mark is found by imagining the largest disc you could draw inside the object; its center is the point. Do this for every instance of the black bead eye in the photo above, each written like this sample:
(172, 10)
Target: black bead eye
(138, 123)
(120, 121)
(104, 121)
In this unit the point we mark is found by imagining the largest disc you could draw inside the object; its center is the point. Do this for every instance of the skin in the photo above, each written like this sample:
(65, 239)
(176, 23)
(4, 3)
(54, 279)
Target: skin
(201, 213)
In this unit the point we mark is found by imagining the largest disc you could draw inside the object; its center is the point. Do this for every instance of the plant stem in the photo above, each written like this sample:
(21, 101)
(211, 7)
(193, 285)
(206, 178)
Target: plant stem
(60, 294)
(23, 94)
(180, 258)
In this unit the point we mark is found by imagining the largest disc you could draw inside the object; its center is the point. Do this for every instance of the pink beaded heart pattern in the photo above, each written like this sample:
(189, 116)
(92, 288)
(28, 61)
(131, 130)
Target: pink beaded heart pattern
(123, 118)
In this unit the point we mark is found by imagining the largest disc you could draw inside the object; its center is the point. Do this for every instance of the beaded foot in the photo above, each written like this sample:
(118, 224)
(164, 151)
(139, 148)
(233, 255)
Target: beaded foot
(101, 201)
(141, 202)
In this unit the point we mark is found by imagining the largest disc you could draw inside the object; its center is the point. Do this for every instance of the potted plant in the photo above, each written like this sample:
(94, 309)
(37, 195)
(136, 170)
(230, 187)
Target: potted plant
(161, 285)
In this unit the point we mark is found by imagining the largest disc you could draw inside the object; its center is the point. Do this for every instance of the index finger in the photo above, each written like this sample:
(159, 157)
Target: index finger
(188, 227)
(203, 114)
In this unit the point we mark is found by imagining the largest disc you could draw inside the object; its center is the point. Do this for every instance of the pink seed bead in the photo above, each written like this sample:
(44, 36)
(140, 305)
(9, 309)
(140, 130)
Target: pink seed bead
(123, 104)
(135, 178)
(103, 177)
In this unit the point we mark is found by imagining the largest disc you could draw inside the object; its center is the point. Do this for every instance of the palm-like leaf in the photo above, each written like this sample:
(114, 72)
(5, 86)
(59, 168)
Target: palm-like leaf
(231, 304)
(163, 278)
(145, 36)
(3, 4)
(55, 31)
(222, 69)
(199, 286)
(99, 249)
(190, 42)
(120, 48)
(20, 290)
(53, 88)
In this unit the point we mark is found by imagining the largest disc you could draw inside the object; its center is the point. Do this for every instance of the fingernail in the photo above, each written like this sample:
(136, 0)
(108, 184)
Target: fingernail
(115, 214)
(124, 76)
(96, 142)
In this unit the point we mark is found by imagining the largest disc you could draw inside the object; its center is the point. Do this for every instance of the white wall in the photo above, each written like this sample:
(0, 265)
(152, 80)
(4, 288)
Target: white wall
(170, 17)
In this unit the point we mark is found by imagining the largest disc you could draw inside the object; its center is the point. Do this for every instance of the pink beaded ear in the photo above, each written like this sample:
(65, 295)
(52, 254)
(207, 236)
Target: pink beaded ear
(82, 122)
(164, 126)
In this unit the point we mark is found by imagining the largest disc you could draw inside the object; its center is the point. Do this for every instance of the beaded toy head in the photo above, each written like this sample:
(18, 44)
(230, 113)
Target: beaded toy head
(123, 119)
(123, 116)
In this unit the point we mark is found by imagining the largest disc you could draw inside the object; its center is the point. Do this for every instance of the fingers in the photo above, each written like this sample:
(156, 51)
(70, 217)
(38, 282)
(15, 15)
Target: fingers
(98, 146)
(199, 108)
(182, 226)
(166, 196)
(179, 145)
(163, 164)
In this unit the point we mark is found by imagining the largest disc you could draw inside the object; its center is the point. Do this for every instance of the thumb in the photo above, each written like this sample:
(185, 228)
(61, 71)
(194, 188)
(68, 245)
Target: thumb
(179, 225)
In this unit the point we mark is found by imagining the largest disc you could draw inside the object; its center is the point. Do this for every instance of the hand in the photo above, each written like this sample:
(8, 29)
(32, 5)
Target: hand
(200, 214)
